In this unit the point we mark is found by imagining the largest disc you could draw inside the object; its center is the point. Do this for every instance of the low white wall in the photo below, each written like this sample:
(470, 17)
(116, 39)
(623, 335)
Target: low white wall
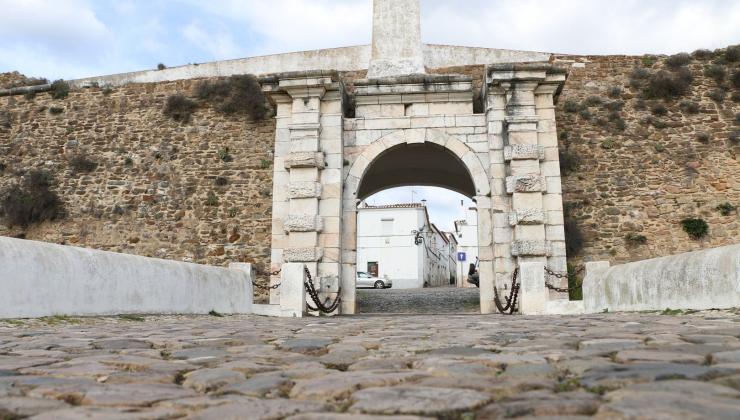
(697, 280)
(40, 279)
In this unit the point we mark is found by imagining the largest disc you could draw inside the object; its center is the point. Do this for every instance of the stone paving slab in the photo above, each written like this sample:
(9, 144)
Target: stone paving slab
(611, 366)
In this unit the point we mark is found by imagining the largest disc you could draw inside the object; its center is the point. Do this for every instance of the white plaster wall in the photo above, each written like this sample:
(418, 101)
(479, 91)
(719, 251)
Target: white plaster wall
(696, 280)
(40, 279)
(340, 59)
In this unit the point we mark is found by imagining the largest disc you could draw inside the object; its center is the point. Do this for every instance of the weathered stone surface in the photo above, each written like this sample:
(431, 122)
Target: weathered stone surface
(523, 152)
(121, 344)
(306, 345)
(21, 407)
(260, 409)
(293, 255)
(417, 400)
(527, 217)
(303, 223)
(341, 385)
(207, 380)
(627, 356)
(530, 249)
(305, 190)
(305, 160)
(525, 184)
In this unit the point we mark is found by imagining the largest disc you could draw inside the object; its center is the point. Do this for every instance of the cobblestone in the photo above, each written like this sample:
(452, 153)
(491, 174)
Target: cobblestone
(447, 366)
(434, 300)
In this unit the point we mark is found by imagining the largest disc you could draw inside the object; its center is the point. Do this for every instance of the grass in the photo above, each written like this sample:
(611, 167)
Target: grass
(695, 228)
(240, 94)
(212, 199)
(59, 319)
(134, 318)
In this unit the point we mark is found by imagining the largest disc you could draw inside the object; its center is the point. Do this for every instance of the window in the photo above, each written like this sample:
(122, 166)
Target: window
(386, 227)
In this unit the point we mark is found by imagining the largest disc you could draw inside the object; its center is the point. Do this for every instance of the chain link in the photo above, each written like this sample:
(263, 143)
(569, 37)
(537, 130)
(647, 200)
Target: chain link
(511, 300)
(562, 276)
(324, 307)
(267, 274)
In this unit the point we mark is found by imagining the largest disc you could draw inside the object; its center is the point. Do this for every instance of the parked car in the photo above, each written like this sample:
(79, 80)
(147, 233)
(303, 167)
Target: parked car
(365, 280)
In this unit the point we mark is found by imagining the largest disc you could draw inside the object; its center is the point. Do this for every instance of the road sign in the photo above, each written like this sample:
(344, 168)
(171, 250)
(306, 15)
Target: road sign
(461, 256)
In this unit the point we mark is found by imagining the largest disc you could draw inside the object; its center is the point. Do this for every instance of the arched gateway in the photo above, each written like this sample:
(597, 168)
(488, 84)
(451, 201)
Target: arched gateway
(334, 147)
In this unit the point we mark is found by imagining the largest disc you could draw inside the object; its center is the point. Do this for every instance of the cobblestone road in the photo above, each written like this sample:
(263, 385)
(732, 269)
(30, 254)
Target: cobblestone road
(438, 300)
(434, 366)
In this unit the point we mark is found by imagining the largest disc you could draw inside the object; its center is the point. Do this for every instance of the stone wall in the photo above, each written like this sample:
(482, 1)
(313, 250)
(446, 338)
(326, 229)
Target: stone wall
(149, 194)
(643, 178)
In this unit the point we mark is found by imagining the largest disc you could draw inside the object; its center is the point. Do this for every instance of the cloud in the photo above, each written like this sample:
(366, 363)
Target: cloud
(219, 45)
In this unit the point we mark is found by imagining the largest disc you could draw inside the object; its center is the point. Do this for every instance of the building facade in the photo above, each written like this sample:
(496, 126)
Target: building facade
(466, 232)
(398, 242)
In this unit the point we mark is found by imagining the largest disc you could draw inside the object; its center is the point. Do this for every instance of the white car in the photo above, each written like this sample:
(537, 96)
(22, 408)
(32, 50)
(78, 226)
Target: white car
(365, 280)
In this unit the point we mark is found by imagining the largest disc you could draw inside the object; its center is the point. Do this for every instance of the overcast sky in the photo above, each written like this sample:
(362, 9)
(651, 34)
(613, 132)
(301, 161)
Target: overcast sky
(79, 38)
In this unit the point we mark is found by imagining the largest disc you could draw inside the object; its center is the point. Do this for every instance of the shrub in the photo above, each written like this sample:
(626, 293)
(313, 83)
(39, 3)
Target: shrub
(736, 96)
(695, 228)
(573, 237)
(608, 144)
(640, 105)
(240, 94)
(585, 114)
(689, 107)
(657, 123)
(212, 199)
(620, 124)
(265, 164)
(678, 60)
(179, 108)
(55, 110)
(221, 182)
(717, 95)
(667, 85)
(225, 155)
(569, 162)
(31, 200)
(703, 137)
(648, 60)
(161, 66)
(732, 54)
(128, 161)
(575, 285)
(594, 100)
(736, 79)
(80, 163)
(614, 106)
(2, 167)
(737, 119)
(702, 54)
(615, 92)
(59, 89)
(660, 148)
(107, 90)
(716, 73)
(726, 209)
(635, 239)
(734, 137)
(571, 106)
(659, 109)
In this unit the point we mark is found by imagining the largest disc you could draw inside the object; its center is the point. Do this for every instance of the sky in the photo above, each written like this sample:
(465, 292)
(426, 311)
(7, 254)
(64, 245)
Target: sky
(444, 206)
(79, 38)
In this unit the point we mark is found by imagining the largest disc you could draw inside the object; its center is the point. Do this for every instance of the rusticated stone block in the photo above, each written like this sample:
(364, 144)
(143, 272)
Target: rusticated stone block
(524, 151)
(527, 217)
(530, 249)
(305, 160)
(305, 190)
(302, 255)
(303, 223)
(525, 183)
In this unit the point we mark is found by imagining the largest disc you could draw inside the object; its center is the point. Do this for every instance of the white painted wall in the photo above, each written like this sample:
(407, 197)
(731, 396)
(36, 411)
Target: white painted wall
(467, 237)
(697, 280)
(41, 279)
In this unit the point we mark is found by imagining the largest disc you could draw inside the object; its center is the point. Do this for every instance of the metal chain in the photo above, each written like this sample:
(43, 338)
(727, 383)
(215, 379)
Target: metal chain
(267, 274)
(562, 276)
(511, 300)
(320, 306)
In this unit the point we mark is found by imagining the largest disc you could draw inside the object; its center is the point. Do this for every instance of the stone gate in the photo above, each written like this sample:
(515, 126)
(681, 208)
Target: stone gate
(399, 127)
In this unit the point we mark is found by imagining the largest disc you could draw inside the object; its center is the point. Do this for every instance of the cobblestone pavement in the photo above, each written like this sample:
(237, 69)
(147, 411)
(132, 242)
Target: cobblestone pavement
(437, 300)
(430, 366)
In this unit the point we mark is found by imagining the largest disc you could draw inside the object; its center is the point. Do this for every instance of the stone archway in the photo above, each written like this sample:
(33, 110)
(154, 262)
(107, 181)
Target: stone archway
(439, 159)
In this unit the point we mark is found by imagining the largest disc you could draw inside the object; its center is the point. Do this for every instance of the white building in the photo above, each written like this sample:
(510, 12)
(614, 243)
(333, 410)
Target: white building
(399, 243)
(466, 231)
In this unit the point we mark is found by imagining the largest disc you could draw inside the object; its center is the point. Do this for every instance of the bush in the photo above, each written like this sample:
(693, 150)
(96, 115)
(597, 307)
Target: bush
(573, 237)
(689, 107)
(179, 108)
(608, 144)
(107, 90)
(221, 182)
(614, 106)
(648, 60)
(703, 137)
(594, 100)
(212, 199)
(702, 54)
(80, 163)
(659, 109)
(678, 60)
(696, 228)
(668, 85)
(640, 105)
(736, 97)
(585, 114)
(2, 167)
(732, 54)
(615, 92)
(635, 239)
(659, 148)
(726, 209)
(55, 110)
(569, 162)
(717, 95)
(31, 200)
(225, 155)
(161, 66)
(571, 106)
(236, 95)
(59, 89)
(716, 73)
(736, 79)
(734, 137)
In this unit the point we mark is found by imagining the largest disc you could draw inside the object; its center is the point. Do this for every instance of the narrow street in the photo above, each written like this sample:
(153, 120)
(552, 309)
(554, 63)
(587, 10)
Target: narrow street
(438, 300)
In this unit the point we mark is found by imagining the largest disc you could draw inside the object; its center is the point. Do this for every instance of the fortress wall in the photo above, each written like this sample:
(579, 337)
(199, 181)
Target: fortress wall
(645, 180)
(149, 193)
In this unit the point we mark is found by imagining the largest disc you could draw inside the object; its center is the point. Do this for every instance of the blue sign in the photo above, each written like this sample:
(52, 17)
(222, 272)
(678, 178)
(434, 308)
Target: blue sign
(461, 256)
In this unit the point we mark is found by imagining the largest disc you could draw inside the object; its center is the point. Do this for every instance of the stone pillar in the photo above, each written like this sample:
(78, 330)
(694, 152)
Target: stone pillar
(293, 294)
(521, 110)
(533, 295)
(307, 180)
(396, 48)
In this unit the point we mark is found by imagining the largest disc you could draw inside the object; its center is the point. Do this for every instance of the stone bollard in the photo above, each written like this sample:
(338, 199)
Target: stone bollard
(292, 291)
(533, 293)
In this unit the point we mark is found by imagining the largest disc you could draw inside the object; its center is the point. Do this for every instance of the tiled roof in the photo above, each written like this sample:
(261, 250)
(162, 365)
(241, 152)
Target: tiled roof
(396, 206)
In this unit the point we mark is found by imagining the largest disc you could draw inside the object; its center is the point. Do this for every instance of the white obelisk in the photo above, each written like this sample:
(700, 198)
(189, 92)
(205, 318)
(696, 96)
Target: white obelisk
(397, 48)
